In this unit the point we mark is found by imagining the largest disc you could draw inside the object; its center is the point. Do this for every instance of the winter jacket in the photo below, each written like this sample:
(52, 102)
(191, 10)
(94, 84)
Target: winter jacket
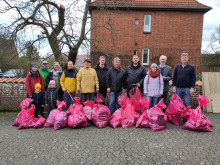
(87, 80)
(101, 73)
(51, 96)
(50, 76)
(44, 74)
(154, 86)
(31, 81)
(115, 79)
(38, 98)
(68, 80)
(134, 75)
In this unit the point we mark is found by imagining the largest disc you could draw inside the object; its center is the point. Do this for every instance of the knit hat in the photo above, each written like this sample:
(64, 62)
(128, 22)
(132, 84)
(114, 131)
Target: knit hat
(52, 82)
(37, 86)
(32, 65)
(153, 65)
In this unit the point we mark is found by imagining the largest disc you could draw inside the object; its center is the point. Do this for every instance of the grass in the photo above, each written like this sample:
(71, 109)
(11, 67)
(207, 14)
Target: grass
(6, 113)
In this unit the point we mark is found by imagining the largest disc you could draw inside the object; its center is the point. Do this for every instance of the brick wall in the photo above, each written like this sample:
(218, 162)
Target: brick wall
(114, 33)
(194, 102)
(11, 95)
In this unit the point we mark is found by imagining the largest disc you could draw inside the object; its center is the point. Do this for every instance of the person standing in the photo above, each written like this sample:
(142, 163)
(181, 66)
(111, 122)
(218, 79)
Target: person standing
(68, 84)
(44, 71)
(166, 72)
(115, 83)
(33, 77)
(153, 85)
(134, 74)
(55, 74)
(87, 82)
(39, 101)
(184, 79)
(101, 70)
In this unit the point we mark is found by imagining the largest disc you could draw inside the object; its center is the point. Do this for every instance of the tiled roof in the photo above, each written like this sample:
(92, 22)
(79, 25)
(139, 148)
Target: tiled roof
(152, 4)
(12, 80)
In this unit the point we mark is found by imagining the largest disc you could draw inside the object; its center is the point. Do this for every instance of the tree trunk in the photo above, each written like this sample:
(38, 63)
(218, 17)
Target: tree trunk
(72, 55)
(55, 48)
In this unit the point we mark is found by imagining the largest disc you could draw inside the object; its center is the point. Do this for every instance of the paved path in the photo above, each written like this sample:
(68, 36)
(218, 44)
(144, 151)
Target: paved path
(108, 146)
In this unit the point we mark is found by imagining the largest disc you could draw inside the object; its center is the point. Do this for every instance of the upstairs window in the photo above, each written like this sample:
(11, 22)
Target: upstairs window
(136, 22)
(145, 56)
(147, 23)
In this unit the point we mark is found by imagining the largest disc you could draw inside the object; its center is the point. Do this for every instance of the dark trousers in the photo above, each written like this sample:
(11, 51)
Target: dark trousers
(164, 96)
(68, 100)
(87, 96)
(103, 91)
(38, 110)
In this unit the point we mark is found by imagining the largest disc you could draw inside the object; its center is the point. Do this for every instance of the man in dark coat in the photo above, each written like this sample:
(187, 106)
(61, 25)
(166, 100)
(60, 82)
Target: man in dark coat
(114, 82)
(166, 72)
(101, 70)
(134, 74)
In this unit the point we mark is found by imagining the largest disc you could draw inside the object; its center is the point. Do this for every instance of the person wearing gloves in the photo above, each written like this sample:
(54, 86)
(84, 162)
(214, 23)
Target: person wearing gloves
(33, 77)
(39, 101)
(87, 82)
(68, 84)
(153, 85)
(44, 71)
(55, 74)
(51, 96)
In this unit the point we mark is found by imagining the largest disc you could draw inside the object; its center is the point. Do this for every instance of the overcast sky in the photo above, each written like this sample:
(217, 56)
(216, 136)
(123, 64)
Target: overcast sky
(211, 21)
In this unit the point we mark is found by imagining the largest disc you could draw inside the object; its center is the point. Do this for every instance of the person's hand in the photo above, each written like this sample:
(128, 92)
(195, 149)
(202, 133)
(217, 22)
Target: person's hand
(160, 95)
(138, 85)
(108, 90)
(164, 78)
(30, 96)
(46, 104)
(64, 89)
(174, 90)
(191, 91)
(145, 94)
(77, 92)
(97, 90)
(42, 105)
(123, 90)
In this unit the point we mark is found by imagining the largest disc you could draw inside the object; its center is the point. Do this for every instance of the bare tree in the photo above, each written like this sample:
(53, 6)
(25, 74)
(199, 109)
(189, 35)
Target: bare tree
(215, 41)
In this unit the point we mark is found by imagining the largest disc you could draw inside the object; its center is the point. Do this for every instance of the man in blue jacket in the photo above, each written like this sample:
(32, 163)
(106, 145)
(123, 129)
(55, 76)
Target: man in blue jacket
(166, 72)
(184, 79)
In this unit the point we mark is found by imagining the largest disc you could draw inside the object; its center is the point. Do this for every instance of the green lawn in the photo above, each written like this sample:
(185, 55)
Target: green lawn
(4, 113)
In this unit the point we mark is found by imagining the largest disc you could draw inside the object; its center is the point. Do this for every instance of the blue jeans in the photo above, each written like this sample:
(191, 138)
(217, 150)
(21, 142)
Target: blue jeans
(68, 100)
(113, 101)
(153, 101)
(84, 97)
(184, 93)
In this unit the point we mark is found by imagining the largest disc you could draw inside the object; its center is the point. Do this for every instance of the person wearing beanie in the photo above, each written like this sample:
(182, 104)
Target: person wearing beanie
(51, 96)
(153, 85)
(55, 74)
(39, 100)
(44, 71)
(33, 77)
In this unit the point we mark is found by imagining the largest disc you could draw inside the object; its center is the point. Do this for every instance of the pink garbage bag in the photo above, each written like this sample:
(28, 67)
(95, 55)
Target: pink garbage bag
(26, 102)
(157, 119)
(116, 118)
(51, 118)
(88, 108)
(143, 120)
(23, 115)
(203, 100)
(60, 120)
(100, 115)
(128, 116)
(77, 118)
(99, 98)
(174, 109)
(28, 123)
(187, 113)
(122, 99)
(40, 122)
(197, 121)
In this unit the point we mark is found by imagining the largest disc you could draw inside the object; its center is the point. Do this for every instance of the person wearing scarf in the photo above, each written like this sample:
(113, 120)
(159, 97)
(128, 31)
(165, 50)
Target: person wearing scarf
(153, 85)
(44, 71)
(33, 77)
(55, 74)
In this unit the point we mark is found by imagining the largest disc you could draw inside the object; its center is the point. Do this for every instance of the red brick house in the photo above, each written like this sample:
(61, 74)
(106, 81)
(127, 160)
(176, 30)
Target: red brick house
(148, 28)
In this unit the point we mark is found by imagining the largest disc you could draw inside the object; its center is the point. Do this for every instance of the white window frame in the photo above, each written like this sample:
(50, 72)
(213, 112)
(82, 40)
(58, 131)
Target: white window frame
(147, 56)
(147, 30)
(136, 22)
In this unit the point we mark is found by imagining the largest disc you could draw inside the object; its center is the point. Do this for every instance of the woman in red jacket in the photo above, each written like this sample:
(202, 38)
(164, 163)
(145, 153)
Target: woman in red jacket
(33, 77)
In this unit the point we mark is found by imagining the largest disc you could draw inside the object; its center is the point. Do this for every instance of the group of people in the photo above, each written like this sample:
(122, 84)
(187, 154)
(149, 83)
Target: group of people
(65, 85)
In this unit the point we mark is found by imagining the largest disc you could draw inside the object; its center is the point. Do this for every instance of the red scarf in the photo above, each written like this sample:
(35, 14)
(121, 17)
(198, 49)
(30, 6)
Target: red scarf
(154, 74)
